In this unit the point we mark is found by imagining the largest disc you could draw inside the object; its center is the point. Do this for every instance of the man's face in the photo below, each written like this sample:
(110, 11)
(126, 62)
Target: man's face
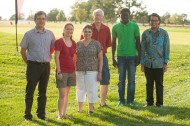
(154, 22)
(124, 17)
(40, 21)
(98, 17)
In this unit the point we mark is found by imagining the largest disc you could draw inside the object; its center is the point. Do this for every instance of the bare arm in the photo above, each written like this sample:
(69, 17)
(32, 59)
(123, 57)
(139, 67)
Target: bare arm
(114, 62)
(23, 54)
(57, 63)
(138, 49)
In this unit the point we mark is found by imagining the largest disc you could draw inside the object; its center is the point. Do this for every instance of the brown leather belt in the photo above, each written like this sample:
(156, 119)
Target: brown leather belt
(29, 61)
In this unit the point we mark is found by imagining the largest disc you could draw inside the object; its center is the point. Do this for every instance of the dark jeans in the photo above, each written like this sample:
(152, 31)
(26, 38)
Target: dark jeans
(126, 66)
(154, 74)
(105, 72)
(36, 73)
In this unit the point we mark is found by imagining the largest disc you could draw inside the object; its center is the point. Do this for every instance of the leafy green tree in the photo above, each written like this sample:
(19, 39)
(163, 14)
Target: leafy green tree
(20, 17)
(79, 11)
(141, 16)
(175, 19)
(51, 16)
(165, 17)
(30, 17)
(184, 18)
(81, 14)
(61, 16)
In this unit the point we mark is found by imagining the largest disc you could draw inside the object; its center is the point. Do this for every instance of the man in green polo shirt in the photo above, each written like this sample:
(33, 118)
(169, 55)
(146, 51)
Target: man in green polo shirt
(128, 50)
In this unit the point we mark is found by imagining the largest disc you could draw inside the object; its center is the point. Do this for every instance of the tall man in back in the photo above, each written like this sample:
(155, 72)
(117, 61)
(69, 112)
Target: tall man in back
(128, 52)
(35, 51)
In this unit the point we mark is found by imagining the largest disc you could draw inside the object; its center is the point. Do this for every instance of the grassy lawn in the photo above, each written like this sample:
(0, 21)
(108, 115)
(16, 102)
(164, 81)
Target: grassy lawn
(176, 110)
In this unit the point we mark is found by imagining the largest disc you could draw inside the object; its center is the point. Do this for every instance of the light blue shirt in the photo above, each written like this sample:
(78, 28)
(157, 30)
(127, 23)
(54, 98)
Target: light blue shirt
(38, 45)
(155, 48)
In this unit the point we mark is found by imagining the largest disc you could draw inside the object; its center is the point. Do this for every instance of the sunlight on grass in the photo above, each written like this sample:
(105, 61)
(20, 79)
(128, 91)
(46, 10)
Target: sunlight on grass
(176, 88)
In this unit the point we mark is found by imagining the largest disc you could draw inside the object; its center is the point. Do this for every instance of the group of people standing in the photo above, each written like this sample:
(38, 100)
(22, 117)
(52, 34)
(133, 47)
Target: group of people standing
(84, 63)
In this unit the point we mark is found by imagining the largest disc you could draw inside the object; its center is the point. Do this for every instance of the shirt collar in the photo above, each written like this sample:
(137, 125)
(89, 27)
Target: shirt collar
(150, 30)
(126, 23)
(36, 30)
(102, 26)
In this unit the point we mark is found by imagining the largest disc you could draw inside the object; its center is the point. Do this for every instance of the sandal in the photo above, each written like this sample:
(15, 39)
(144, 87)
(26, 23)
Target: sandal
(104, 106)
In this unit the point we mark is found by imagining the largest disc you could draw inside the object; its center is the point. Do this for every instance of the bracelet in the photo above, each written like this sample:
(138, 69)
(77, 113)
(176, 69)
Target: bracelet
(99, 71)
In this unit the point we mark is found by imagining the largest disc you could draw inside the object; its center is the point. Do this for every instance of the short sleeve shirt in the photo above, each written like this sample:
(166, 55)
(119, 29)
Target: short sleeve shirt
(126, 33)
(87, 56)
(66, 55)
(38, 45)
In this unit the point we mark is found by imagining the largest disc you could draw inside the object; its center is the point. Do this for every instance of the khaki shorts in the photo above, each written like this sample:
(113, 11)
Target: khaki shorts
(69, 79)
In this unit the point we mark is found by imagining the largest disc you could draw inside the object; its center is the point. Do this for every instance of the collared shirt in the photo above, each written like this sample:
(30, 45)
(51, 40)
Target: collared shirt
(38, 44)
(155, 48)
(126, 34)
(103, 36)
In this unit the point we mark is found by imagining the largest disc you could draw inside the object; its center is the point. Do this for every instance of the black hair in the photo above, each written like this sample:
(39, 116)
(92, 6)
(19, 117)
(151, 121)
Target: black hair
(124, 9)
(155, 15)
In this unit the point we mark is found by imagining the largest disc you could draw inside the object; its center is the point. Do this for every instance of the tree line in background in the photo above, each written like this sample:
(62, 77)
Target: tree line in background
(82, 12)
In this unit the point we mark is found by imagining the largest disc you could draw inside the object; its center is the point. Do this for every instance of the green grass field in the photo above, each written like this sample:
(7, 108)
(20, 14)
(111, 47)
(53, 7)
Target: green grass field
(176, 110)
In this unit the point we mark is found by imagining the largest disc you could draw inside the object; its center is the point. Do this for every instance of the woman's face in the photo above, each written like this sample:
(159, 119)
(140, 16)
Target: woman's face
(68, 31)
(87, 33)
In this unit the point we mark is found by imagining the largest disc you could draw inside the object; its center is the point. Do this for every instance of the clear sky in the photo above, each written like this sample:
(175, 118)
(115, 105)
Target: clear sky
(7, 7)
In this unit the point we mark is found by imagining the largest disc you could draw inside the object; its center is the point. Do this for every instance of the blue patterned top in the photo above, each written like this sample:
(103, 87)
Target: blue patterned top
(155, 48)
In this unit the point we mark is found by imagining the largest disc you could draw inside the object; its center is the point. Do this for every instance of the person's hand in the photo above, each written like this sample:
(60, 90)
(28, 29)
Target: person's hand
(165, 67)
(99, 78)
(137, 60)
(59, 76)
(142, 67)
(114, 63)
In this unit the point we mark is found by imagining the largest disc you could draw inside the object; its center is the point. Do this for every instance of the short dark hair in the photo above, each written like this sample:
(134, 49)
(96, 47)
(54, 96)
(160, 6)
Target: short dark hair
(87, 26)
(39, 13)
(124, 9)
(155, 15)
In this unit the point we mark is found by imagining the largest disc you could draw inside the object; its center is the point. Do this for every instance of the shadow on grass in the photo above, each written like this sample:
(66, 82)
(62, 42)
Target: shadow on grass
(49, 122)
(171, 110)
(116, 116)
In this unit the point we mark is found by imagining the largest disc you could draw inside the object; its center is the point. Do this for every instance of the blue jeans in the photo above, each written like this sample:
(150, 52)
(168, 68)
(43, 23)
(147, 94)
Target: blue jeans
(126, 65)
